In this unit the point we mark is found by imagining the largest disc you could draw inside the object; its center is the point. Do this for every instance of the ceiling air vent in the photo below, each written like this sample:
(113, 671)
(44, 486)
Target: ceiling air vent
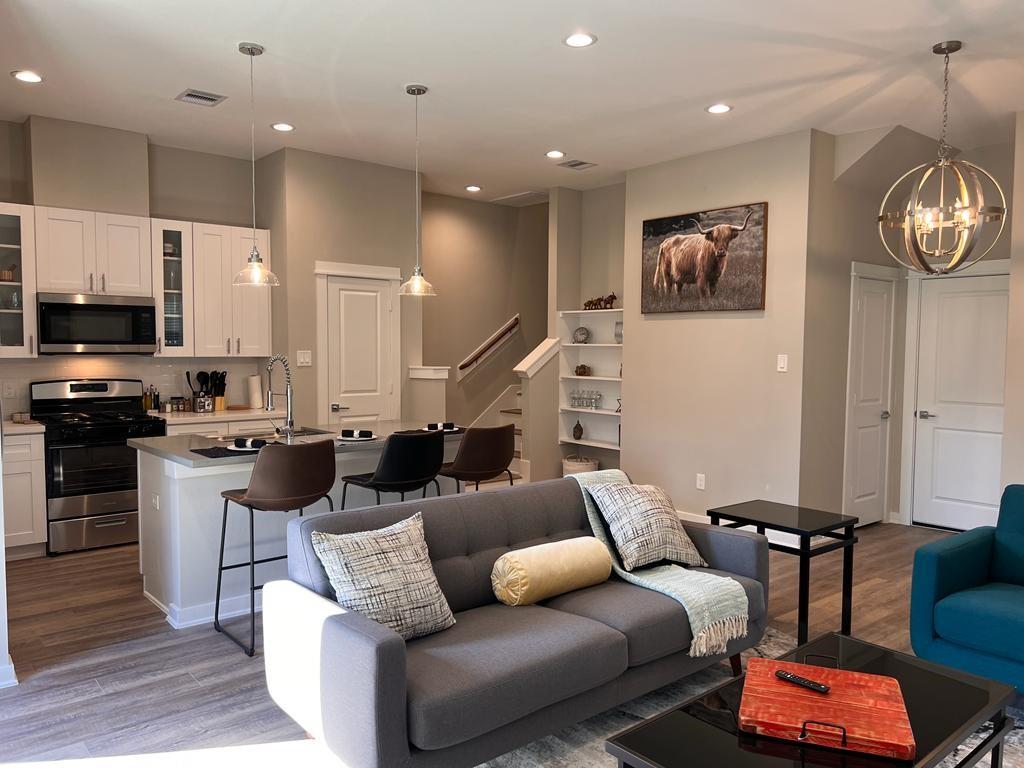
(522, 199)
(577, 165)
(202, 98)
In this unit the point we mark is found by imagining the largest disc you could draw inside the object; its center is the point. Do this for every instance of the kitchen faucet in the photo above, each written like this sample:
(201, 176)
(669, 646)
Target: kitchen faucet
(288, 430)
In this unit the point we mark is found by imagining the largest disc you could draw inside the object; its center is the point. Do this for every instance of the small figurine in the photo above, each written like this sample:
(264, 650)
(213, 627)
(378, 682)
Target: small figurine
(577, 431)
(582, 370)
(608, 302)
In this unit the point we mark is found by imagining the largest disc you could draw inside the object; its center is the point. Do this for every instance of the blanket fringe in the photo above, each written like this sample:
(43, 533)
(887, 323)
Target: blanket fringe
(713, 639)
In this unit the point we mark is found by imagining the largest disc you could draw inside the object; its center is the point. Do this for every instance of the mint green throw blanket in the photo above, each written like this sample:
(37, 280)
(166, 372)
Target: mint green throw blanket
(716, 605)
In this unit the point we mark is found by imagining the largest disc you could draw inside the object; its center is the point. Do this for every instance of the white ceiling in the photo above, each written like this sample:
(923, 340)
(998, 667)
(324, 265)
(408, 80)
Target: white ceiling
(504, 89)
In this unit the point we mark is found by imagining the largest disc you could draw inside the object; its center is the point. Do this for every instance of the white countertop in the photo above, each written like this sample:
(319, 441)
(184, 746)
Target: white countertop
(32, 428)
(249, 414)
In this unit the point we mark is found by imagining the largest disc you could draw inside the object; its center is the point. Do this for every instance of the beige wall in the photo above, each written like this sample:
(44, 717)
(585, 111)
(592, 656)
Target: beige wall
(602, 219)
(333, 209)
(13, 164)
(998, 159)
(487, 262)
(1013, 419)
(564, 234)
(700, 391)
(75, 165)
(196, 186)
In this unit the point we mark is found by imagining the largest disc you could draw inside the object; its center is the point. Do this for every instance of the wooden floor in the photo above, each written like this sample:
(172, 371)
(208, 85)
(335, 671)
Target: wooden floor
(102, 673)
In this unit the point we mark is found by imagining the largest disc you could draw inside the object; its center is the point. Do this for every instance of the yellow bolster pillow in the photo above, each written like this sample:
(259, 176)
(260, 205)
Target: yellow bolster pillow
(526, 576)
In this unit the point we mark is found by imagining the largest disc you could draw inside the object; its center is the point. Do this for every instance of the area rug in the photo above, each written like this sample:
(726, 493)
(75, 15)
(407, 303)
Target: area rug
(582, 745)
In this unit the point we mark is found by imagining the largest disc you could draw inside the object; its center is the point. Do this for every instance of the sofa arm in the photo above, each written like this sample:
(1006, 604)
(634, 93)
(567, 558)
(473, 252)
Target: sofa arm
(942, 568)
(338, 674)
(727, 549)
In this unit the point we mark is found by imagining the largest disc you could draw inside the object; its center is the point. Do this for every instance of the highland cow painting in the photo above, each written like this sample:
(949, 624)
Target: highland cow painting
(706, 261)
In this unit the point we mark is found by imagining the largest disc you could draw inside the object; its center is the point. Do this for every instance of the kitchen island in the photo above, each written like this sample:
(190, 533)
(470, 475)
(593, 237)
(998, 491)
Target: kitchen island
(180, 512)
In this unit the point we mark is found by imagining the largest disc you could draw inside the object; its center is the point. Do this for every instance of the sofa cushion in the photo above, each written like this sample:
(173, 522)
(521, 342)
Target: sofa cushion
(654, 624)
(529, 575)
(498, 664)
(989, 618)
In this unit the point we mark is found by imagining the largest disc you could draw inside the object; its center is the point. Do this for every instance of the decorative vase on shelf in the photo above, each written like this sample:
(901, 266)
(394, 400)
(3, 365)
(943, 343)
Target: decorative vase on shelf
(577, 431)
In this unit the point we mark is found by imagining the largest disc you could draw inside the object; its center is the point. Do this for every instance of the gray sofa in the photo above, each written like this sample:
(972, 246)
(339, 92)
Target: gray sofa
(502, 676)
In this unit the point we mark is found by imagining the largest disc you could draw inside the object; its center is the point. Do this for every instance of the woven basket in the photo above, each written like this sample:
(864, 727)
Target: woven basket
(572, 465)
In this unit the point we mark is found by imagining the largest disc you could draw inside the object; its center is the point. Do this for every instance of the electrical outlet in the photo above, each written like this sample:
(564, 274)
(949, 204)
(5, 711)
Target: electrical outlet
(10, 390)
(154, 501)
(304, 358)
(700, 481)
(782, 363)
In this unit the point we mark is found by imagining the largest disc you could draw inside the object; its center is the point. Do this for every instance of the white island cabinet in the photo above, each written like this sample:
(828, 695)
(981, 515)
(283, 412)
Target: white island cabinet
(180, 512)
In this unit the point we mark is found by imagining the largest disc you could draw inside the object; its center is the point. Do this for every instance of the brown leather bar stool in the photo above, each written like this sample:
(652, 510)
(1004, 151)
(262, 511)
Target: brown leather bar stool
(284, 478)
(485, 453)
(409, 461)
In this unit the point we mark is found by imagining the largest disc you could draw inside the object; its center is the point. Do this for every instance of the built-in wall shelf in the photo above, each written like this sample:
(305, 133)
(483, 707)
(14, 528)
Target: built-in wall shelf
(591, 378)
(598, 411)
(564, 312)
(590, 443)
(574, 344)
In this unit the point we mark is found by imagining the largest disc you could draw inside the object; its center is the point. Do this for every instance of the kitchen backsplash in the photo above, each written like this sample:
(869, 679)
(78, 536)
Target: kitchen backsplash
(166, 373)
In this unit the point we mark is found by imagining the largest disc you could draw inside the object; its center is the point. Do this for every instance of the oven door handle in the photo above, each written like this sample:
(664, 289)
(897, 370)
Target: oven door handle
(104, 444)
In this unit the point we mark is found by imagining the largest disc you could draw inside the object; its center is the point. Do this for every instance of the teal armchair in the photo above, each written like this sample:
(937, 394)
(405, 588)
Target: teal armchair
(967, 597)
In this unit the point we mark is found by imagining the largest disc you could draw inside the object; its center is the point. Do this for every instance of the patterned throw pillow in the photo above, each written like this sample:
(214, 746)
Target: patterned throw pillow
(387, 576)
(644, 525)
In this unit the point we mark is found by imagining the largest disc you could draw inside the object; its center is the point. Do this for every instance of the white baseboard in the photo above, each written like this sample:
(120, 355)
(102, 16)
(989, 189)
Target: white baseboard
(7, 676)
(197, 615)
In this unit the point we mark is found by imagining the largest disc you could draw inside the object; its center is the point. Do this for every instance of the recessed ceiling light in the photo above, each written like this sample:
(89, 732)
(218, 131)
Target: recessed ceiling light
(472, 188)
(580, 39)
(555, 154)
(26, 76)
(283, 127)
(719, 109)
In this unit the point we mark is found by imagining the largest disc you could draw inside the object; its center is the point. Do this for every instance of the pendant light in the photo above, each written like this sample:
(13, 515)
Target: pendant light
(254, 272)
(935, 224)
(417, 285)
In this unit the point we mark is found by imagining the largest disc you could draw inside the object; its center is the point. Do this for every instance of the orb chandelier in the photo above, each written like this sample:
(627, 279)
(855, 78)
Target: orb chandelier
(931, 220)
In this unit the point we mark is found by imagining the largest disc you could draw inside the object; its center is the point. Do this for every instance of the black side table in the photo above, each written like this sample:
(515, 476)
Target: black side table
(805, 523)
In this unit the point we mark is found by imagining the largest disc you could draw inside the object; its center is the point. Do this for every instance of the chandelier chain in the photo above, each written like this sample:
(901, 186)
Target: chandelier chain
(944, 148)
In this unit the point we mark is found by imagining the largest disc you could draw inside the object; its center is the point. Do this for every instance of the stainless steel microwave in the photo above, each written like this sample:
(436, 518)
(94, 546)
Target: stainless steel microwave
(80, 323)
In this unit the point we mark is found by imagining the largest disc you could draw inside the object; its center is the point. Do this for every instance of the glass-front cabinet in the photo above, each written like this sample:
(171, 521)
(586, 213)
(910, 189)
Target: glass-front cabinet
(17, 281)
(172, 287)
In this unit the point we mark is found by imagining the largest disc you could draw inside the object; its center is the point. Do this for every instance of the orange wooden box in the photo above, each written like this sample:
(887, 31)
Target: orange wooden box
(862, 713)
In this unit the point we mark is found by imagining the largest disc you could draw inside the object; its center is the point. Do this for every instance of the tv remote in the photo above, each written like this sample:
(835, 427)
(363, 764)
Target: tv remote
(803, 682)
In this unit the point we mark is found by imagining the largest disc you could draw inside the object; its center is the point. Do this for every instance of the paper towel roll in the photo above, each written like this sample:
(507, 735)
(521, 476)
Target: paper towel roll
(255, 391)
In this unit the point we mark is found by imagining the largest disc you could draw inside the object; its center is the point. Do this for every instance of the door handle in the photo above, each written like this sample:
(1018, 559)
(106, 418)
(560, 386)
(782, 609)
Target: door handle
(227, 343)
(335, 407)
(885, 415)
(103, 283)
(927, 415)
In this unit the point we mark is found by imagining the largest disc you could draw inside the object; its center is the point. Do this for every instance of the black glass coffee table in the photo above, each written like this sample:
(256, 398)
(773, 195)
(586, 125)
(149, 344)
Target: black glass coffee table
(946, 707)
(806, 523)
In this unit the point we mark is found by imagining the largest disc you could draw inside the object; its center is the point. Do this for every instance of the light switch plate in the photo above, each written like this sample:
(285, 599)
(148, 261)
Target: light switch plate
(782, 363)
(10, 389)
(700, 481)
(304, 358)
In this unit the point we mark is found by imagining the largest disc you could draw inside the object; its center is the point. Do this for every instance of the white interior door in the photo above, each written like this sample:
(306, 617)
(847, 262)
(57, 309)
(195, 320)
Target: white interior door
(869, 392)
(363, 336)
(961, 371)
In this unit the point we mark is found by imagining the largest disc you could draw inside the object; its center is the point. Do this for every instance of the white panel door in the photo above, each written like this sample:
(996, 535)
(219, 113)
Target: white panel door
(961, 372)
(211, 284)
(251, 303)
(869, 391)
(66, 251)
(363, 355)
(123, 261)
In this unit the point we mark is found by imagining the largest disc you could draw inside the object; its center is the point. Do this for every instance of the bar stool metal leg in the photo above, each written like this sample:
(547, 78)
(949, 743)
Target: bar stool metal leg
(511, 480)
(250, 648)
(220, 568)
(344, 492)
(458, 487)
(437, 487)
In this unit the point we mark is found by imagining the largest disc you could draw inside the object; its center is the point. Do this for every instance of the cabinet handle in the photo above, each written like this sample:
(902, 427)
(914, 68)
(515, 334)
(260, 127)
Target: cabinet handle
(31, 344)
(228, 345)
(103, 283)
(238, 345)
(159, 344)
(90, 283)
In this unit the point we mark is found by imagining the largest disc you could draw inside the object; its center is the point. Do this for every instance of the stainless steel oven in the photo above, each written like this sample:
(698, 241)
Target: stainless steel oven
(72, 323)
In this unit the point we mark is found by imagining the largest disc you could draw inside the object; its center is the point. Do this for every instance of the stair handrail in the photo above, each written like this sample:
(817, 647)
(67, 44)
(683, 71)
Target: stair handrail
(541, 355)
(506, 331)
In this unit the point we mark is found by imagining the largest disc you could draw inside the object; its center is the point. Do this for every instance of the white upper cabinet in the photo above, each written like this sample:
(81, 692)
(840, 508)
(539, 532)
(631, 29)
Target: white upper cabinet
(172, 288)
(88, 252)
(123, 261)
(17, 281)
(250, 303)
(211, 253)
(66, 251)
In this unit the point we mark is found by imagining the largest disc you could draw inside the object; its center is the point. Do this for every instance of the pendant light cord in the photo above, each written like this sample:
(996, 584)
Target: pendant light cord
(944, 148)
(252, 146)
(418, 213)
